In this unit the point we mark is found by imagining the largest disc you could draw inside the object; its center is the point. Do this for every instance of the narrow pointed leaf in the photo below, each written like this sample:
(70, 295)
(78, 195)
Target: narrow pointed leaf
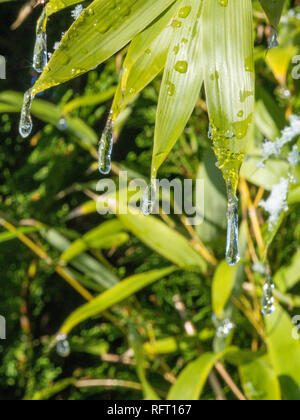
(222, 287)
(104, 28)
(273, 9)
(190, 383)
(183, 77)
(113, 296)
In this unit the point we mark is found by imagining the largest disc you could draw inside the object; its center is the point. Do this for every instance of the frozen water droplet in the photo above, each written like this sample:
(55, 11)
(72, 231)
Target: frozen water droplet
(25, 126)
(223, 327)
(63, 346)
(268, 301)
(273, 41)
(149, 198)
(62, 124)
(40, 56)
(232, 248)
(106, 147)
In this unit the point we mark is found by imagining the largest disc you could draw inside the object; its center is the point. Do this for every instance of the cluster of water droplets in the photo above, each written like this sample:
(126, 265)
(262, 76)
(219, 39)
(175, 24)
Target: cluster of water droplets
(268, 301)
(106, 147)
(63, 348)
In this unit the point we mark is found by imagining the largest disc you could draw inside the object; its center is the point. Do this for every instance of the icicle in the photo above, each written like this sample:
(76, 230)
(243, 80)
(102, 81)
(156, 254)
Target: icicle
(232, 247)
(149, 198)
(25, 126)
(106, 147)
(268, 302)
(273, 41)
(63, 346)
(40, 56)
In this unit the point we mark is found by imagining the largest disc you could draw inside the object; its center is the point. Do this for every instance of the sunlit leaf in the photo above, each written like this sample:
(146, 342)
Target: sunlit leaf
(273, 9)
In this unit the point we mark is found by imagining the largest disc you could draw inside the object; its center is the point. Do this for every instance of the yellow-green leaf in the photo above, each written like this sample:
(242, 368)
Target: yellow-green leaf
(104, 28)
(183, 77)
(113, 296)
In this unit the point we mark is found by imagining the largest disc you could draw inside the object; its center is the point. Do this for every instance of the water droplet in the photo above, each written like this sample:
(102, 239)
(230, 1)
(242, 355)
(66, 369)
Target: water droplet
(268, 301)
(184, 12)
(273, 41)
(106, 147)
(223, 3)
(232, 248)
(40, 56)
(62, 124)
(149, 199)
(171, 88)
(63, 346)
(223, 326)
(176, 24)
(25, 126)
(181, 66)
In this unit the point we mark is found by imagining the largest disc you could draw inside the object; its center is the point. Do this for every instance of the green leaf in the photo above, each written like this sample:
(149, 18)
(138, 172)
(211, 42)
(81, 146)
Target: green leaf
(183, 77)
(273, 9)
(284, 352)
(8, 236)
(51, 390)
(228, 48)
(260, 382)
(89, 100)
(223, 283)
(288, 276)
(164, 240)
(84, 262)
(113, 296)
(105, 236)
(191, 380)
(50, 113)
(104, 28)
(145, 62)
(137, 345)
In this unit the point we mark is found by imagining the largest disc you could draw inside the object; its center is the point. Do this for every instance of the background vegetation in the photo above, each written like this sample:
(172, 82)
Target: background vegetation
(139, 346)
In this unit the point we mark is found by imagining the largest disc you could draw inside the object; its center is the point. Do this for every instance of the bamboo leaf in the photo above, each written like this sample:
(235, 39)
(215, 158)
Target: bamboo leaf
(284, 352)
(182, 80)
(273, 10)
(229, 80)
(259, 381)
(113, 296)
(222, 287)
(137, 345)
(104, 236)
(191, 381)
(104, 28)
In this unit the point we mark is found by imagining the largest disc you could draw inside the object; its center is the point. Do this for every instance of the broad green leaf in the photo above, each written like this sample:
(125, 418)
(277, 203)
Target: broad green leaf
(279, 60)
(162, 239)
(113, 296)
(273, 9)
(104, 28)
(136, 343)
(105, 236)
(189, 385)
(227, 51)
(222, 286)
(288, 276)
(50, 113)
(284, 352)
(143, 42)
(139, 73)
(260, 382)
(182, 80)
